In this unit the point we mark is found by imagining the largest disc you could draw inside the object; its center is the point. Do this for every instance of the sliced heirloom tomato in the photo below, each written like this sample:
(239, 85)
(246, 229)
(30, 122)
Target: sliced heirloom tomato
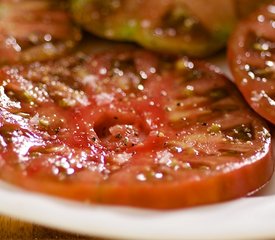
(251, 54)
(33, 30)
(194, 28)
(190, 27)
(129, 127)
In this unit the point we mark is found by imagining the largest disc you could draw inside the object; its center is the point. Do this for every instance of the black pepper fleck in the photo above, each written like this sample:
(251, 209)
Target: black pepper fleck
(118, 136)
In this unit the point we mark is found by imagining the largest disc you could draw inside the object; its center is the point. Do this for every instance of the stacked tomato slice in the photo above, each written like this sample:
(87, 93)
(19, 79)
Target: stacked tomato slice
(32, 30)
(130, 127)
(252, 60)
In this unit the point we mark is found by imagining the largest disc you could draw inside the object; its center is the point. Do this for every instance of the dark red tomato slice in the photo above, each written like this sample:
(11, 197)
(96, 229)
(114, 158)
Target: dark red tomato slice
(252, 59)
(33, 30)
(129, 127)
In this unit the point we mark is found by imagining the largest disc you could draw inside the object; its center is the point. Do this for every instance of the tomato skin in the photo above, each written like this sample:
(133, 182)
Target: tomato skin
(129, 127)
(251, 58)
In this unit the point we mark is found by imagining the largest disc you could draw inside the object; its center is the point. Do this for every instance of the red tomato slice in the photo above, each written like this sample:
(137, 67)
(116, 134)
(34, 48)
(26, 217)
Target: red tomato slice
(252, 59)
(129, 127)
(33, 30)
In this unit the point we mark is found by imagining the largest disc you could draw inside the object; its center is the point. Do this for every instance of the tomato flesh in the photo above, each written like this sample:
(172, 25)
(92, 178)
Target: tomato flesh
(252, 59)
(130, 127)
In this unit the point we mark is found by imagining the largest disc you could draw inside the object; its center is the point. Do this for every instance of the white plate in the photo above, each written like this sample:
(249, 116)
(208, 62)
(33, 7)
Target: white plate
(250, 218)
